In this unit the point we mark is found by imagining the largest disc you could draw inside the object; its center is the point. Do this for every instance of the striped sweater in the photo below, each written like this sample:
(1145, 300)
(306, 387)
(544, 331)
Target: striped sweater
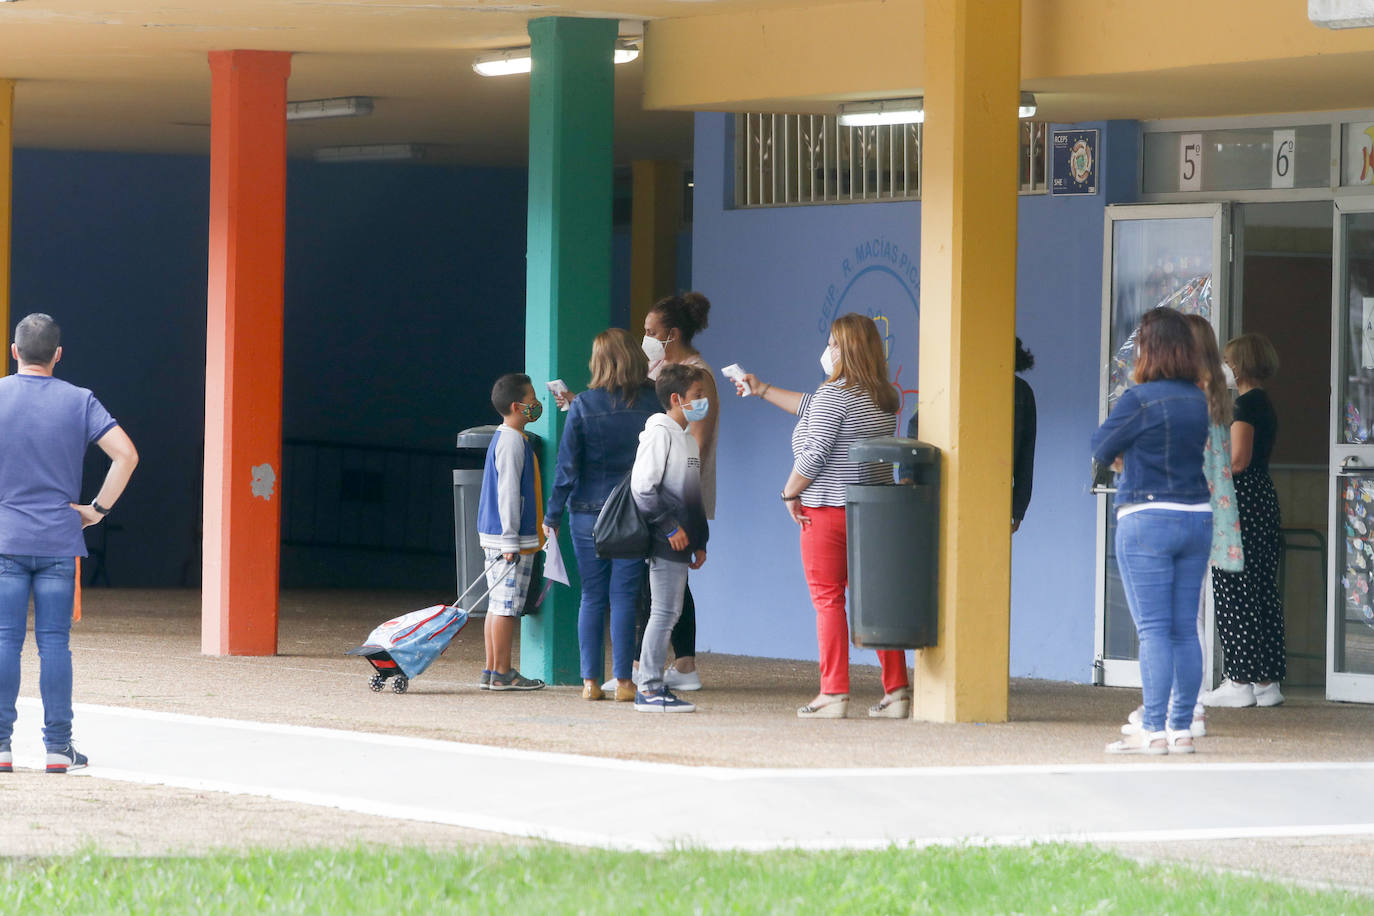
(828, 423)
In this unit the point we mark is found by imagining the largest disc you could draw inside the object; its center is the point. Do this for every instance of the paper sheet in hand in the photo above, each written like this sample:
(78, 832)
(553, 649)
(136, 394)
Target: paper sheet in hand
(559, 390)
(554, 570)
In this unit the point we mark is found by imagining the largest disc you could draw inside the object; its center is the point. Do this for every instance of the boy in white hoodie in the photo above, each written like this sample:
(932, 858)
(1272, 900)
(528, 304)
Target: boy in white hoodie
(666, 483)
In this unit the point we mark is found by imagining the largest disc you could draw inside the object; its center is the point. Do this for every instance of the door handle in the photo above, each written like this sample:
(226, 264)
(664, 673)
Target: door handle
(1102, 491)
(1353, 466)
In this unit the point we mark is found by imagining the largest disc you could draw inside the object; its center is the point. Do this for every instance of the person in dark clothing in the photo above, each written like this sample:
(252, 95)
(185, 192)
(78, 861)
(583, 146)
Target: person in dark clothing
(1248, 606)
(1023, 439)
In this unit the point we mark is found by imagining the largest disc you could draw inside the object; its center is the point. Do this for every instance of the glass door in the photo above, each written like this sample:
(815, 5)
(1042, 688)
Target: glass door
(1166, 254)
(1350, 629)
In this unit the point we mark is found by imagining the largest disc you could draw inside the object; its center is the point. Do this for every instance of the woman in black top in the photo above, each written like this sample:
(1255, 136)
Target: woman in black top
(1248, 608)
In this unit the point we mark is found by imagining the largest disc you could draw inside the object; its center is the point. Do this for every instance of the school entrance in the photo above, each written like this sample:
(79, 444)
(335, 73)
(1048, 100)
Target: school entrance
(1265, 225)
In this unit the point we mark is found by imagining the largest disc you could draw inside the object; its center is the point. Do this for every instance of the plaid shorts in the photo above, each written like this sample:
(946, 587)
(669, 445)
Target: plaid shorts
(509, 584)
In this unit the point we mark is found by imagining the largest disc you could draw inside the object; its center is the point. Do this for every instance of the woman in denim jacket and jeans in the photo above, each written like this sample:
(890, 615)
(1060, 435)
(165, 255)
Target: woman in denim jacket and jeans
(1164, 524)
(599, 443)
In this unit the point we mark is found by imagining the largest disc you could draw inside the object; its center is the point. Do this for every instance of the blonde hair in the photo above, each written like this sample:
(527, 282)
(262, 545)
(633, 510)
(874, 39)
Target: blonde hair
(862, 363)
(1252, 357)
(1210, 379)
(618, 364)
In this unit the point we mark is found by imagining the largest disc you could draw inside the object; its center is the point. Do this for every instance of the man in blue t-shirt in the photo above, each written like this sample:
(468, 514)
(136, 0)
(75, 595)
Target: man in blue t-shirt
(46, 425)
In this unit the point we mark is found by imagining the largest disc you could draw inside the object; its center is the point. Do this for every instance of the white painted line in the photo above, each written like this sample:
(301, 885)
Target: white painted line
(724, 774)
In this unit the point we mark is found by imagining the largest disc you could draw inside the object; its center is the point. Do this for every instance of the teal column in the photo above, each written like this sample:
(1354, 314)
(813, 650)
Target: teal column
(568, 269)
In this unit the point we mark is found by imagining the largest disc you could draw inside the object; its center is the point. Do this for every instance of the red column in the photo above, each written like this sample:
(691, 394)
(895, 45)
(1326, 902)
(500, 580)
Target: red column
(243, 358)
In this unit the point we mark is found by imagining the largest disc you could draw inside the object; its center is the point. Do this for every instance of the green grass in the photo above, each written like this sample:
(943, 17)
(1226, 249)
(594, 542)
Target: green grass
(537, 880)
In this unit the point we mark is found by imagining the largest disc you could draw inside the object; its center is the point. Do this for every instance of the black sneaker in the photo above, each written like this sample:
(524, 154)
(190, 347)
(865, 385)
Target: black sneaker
(69, 758)
(6, 758)
(514, 680)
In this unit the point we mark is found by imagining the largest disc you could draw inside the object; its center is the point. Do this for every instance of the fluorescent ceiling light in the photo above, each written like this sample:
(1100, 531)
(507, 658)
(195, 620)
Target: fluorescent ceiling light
(376, 152)
(884, 111)
(907, 111)
(517, 60)
(504, 63)
(352, 106)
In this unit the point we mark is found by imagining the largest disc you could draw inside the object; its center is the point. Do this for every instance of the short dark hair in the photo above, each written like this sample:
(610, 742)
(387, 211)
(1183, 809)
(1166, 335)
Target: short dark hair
(1024, 358)
(508, 389)
(675, 379)
(1164, 347)
(37, 337)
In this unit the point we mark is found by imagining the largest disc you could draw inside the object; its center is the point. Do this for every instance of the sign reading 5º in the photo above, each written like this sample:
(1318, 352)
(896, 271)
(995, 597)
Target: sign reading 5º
(1074, 159)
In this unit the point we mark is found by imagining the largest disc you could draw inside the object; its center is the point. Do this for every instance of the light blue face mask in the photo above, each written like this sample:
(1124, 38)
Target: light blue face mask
(697, 410)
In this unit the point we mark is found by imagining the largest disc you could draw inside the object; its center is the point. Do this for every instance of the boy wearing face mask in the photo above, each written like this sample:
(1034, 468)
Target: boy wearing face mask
(666, 483)
(510, 517)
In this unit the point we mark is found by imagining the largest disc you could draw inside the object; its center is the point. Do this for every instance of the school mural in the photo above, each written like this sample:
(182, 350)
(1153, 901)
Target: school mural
(879, 278)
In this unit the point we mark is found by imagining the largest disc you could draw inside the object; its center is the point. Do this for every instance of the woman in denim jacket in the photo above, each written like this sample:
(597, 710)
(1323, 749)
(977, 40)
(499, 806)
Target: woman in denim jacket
(1159, 429)
(600, 439)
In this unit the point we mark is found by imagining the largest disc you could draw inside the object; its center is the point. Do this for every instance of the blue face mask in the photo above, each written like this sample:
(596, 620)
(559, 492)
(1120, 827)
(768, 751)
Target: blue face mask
(696, 410)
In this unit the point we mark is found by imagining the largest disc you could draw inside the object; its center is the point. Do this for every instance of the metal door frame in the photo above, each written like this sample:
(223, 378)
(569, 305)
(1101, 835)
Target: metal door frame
(1355, 688)
(1126, 672)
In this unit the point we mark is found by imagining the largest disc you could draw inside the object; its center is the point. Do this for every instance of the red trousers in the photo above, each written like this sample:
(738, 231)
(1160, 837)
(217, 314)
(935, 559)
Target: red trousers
(827, 575)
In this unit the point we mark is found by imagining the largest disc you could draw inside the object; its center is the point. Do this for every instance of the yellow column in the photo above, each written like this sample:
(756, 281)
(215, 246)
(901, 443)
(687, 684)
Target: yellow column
(655, 217)
(6, 208)
(968, 318)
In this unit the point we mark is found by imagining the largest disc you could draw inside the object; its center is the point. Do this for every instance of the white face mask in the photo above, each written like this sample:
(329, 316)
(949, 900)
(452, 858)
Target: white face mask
(828, 361)
(653, 348)
(1229, 376)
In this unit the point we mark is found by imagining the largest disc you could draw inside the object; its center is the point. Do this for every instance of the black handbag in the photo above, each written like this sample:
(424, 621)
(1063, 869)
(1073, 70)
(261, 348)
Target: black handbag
(620, 532)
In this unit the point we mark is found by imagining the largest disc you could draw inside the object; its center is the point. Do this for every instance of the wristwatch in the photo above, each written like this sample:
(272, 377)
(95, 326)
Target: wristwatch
(99, 508)
(789, 499)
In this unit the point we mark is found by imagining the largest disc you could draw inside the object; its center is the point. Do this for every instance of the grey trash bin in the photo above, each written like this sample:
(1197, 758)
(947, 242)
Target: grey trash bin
(893, 535)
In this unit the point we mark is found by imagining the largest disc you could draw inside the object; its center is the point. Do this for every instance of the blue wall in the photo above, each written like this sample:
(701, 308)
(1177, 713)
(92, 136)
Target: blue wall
(404, 299)
(776, 277)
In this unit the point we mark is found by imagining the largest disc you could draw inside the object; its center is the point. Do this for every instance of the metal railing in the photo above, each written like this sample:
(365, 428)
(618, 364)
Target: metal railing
(363, 497)
(792, 159)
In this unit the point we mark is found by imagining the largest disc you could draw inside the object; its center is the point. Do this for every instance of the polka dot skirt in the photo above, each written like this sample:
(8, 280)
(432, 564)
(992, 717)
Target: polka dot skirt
(1248, 608)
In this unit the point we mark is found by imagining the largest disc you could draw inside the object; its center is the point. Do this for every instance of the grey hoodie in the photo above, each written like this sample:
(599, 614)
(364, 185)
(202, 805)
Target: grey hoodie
(666, 484)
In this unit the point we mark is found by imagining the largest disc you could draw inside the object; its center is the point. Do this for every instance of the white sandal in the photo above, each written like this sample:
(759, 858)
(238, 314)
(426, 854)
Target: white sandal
(895, 705)
(1153, 743)
(1176, 742)
(836, 706)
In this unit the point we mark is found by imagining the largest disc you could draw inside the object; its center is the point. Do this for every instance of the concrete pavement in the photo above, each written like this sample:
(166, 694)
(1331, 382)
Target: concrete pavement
(626, 804)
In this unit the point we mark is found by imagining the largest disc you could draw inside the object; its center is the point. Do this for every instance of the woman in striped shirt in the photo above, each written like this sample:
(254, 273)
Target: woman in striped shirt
(855, 402)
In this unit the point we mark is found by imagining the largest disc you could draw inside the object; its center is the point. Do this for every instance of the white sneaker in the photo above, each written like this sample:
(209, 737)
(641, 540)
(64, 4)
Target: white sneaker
(609, 686)
(1232, 695)
(1268, 696)
(676, 680)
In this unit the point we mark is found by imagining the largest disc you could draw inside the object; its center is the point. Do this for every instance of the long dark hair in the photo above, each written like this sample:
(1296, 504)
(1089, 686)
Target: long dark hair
(1210, 377)
(1164, 347)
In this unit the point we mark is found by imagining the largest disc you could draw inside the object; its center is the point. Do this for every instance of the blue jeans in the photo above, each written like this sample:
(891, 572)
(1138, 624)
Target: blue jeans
(605, 583)
(52, 581)
(1163, 555)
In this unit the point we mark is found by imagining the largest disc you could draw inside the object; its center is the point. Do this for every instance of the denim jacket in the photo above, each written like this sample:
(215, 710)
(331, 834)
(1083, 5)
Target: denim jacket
(1160, 429)
(598, 448)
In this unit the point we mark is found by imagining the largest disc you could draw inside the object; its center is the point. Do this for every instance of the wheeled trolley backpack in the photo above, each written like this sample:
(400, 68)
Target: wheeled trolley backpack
(404, 647)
